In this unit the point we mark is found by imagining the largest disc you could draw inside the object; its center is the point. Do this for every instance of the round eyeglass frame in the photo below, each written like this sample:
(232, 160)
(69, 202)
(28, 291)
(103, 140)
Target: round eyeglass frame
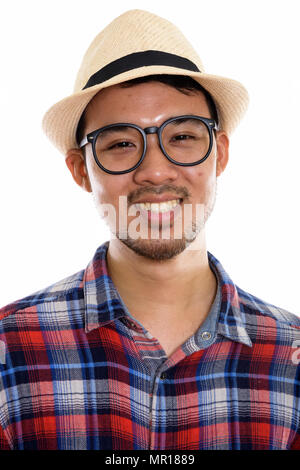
(92, 138)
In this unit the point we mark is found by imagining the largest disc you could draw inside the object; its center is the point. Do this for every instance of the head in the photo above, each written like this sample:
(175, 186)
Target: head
(146, 102)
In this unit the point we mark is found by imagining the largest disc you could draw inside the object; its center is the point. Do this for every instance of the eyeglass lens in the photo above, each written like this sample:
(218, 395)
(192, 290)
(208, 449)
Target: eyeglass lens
(184, 140)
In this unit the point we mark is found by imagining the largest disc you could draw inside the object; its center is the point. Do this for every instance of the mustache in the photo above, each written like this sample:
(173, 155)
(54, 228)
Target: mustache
(181, 192)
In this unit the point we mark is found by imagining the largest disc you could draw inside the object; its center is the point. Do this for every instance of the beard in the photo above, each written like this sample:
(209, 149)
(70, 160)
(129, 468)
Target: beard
(166, 249)
(160, 250)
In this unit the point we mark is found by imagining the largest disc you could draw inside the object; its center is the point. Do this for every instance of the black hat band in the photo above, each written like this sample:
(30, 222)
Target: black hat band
(137, 60)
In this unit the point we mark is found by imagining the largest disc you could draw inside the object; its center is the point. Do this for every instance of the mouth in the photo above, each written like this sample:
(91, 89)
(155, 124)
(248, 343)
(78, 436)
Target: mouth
(158, 207)
(161, 214)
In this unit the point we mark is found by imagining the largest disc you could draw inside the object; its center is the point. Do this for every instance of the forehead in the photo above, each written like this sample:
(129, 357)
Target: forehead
(142, 103)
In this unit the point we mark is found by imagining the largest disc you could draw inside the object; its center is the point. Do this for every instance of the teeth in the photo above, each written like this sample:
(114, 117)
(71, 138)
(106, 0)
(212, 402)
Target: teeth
(158, 207)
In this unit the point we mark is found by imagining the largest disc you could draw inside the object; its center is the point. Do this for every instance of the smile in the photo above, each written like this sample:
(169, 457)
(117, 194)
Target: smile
(158, 207)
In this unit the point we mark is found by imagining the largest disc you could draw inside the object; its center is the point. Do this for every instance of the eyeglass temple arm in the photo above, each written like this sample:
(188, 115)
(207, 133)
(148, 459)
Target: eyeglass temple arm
(87, 139)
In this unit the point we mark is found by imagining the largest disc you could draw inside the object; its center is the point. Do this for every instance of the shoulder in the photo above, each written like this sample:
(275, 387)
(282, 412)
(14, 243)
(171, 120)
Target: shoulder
(249, 305)
(52, 293)
(256, 305)
(265, 321)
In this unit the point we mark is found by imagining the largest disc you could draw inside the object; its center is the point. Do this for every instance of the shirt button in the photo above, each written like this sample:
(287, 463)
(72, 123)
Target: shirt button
(163, 376)
(206, 335)
(129, 323)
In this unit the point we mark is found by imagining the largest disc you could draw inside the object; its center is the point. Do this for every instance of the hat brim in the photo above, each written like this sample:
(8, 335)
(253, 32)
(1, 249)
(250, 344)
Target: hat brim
(61, 120)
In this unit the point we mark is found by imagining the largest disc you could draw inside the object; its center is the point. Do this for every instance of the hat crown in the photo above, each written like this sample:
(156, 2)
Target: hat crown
(133, 31)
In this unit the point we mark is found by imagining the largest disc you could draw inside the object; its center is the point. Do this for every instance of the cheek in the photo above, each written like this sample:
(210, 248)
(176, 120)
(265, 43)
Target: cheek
(106, 188)
(202, 178)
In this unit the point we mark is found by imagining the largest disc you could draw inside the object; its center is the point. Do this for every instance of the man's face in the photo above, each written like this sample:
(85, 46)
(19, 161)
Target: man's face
(156, 179)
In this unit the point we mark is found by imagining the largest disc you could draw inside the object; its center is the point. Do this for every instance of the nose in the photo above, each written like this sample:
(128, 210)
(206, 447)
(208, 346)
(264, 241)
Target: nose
(155, 168)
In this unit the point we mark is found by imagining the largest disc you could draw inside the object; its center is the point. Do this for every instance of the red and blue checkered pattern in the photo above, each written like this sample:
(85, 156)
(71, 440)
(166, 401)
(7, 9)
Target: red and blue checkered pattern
(77, 373)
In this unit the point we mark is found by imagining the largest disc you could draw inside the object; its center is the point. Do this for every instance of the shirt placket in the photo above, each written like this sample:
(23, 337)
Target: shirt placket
(156, 362)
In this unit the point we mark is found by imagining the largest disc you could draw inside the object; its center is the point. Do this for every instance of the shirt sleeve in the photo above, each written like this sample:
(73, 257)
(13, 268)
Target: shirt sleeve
(4, 444)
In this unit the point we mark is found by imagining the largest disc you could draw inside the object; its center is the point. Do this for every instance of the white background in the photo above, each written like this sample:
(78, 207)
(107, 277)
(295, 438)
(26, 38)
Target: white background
(49, 226)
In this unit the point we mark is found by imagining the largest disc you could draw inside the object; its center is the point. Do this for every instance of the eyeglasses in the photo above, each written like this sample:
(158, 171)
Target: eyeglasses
(121, 148)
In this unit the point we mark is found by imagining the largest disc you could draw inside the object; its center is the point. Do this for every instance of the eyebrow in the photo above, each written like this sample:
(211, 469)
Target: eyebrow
(180, 121)
(118, 129)
(115, 129)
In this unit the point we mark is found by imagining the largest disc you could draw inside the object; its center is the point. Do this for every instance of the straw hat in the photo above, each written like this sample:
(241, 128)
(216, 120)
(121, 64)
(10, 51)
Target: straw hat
(137, 44)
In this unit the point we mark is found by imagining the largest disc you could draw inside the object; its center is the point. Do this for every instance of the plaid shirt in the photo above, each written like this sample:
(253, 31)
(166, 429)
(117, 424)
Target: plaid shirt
(78, 372)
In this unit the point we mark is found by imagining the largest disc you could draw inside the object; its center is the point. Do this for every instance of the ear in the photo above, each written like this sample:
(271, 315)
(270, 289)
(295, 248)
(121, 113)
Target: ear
(222, 152)
(76, 164)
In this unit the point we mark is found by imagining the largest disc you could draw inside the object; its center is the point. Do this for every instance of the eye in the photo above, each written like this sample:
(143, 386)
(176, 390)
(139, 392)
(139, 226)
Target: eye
(181, 137)
(123, 144)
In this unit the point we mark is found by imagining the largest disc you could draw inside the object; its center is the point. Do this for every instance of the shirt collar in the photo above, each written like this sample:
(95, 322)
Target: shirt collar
(103, 303)
(232, 321)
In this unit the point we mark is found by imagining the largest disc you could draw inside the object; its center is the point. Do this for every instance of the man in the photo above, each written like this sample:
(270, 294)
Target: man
(152, 346)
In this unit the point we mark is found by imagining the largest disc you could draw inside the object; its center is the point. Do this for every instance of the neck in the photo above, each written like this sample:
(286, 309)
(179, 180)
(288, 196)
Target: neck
(183, 283)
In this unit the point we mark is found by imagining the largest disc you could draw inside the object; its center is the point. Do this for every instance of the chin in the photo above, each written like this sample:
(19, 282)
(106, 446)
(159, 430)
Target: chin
(159, 249)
